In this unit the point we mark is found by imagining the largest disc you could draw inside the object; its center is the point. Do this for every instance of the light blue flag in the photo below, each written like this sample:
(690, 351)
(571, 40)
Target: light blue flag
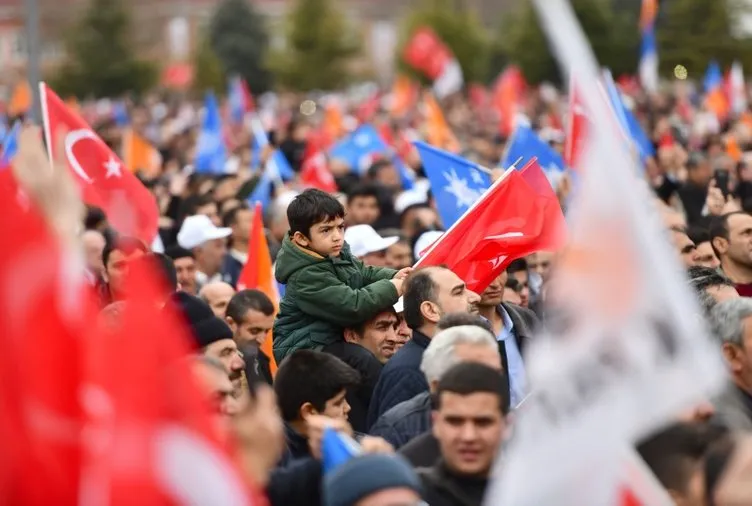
(278, 165)
(211, 154)
(526, 145)
(456, 183)
(9, 145)
(336, 449)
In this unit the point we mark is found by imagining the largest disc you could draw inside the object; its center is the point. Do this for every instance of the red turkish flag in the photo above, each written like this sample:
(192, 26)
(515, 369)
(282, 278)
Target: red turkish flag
(517, 216)
(45, 318)
(315, 173)
(577, 128)
(103, 179)
(508, 94)
(152, 439)
(426, 52)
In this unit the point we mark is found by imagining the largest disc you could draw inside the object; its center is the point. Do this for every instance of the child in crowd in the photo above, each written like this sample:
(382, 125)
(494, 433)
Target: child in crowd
(327, 288)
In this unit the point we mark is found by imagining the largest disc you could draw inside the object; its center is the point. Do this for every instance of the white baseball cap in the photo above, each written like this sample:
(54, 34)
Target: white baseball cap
(399, 307)
(425, 241)
(363, 239)
(198, 229)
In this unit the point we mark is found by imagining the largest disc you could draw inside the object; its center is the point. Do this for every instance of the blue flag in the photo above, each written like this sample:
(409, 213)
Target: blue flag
(456, 183)
(210, 148)
(525, 144)
(713, 77)
(336, 449)
(236, 100)
(263, 191)
(10, 145)
(277, 165)
(120, 113)
(627, 120)
(359, 148)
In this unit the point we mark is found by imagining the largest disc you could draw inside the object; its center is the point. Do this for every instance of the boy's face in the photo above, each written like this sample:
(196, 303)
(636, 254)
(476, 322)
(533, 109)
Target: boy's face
(337, 407)
(327, 237)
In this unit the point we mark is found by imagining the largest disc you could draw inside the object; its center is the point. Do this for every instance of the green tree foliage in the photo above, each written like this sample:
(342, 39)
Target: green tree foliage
(459, 28)
(693, 32)
(613, 35)
(101, 60)
(209, 74)
(319, 47)
(238, 38)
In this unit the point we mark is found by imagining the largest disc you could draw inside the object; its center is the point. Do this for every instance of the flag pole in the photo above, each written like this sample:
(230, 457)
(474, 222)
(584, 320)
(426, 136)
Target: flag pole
(491, 171)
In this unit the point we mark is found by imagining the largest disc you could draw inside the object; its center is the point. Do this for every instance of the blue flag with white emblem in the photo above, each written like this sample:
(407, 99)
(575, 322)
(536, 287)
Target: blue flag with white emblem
(456, 183)
(210, 147)
(526, 145)
(9, 145)
(360, 149)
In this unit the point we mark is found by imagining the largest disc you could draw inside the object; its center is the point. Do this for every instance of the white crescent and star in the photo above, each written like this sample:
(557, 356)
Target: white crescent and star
(111, 165)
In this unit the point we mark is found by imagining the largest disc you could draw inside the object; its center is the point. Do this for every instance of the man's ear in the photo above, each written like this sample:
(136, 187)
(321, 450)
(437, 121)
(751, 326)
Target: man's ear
(731, 355)
(307, 410)
(233, 326)
(301, 240)
(350, 336)
(720, 244)
(430, 311)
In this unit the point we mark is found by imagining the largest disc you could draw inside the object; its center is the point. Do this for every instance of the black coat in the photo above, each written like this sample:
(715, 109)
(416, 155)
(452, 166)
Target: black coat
(405, 421)
(401, 378)
(423, 451)
(297, 479)
(369, 368)
(441, 487)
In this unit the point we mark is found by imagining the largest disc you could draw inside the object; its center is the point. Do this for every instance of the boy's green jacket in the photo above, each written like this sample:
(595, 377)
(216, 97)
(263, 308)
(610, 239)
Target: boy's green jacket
(324, 295)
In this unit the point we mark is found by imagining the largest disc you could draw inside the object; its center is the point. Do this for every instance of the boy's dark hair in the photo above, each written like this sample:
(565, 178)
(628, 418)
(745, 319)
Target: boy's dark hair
(245, 300)
(468, 378)
(127, 245)
(419, 287)
(311, 207)
(673, 453)
(308, 376)
(362, 190)
(230, 217)
(459, 319)
(698, 234)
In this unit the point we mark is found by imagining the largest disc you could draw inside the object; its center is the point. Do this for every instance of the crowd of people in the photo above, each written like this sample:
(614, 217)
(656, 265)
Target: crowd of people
(424, 374)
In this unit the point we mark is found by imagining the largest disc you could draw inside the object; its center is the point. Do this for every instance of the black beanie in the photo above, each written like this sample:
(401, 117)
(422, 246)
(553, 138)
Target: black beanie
(205, 327)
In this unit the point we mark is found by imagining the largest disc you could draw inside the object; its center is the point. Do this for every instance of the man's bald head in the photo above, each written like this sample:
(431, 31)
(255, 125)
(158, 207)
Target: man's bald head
(217, 295)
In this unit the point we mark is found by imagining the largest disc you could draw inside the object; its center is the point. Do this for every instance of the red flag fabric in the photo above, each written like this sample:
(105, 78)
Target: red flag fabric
(250, 104)
(103, 179)
(577, 128)
(151, 438)
(315, 173)
(44, 319)
(507, 96)
(426, 52)
(517, 216)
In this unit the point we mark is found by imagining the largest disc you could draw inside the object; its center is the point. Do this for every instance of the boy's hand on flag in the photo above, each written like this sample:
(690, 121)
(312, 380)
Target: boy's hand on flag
(373, 444)
(403, 273)
(316, 425)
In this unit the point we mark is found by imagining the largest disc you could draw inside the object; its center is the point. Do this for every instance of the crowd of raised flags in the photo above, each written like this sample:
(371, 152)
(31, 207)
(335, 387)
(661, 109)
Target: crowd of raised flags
(492, 216)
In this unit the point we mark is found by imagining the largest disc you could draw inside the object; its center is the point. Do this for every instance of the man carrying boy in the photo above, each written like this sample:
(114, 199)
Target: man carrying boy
(327, 288)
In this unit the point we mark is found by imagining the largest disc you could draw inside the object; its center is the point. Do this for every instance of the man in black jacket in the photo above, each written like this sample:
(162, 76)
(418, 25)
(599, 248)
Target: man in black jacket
(250, 315)
(469, 423)
(429, 294)
(464, 343)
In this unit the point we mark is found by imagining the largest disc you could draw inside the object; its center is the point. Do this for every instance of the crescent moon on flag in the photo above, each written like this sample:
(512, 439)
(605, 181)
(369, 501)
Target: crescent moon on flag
(70, 140)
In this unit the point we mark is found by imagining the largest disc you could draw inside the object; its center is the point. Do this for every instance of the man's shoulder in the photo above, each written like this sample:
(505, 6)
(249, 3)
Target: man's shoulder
(523, 315)
(406, 408)
(408, 357)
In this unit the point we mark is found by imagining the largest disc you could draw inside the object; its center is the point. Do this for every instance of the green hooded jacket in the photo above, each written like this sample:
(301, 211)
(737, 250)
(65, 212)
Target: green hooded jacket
(324, 295)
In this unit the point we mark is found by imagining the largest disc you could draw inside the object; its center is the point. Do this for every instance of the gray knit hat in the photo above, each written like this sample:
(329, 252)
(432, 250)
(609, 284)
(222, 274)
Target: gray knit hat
(365, 475)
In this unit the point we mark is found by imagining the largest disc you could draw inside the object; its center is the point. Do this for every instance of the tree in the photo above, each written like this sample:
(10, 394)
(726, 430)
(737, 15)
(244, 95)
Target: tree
(238, 38)
(318, 48)
(459, 29)
(209, 73)
(693, 32)
(613, 35)
(100, 55)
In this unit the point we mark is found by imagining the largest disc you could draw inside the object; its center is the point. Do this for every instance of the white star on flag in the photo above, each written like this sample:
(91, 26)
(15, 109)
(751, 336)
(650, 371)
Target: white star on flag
(458, 187)
(477, 178)
(113, 168)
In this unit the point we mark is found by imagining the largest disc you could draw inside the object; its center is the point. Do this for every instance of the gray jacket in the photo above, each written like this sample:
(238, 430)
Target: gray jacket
(734, 410)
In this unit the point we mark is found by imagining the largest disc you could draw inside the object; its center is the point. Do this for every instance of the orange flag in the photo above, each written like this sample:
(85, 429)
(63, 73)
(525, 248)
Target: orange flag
(438, 132)
(404, 96)
(20, 100)
(257, 274)
(140, 155)
(334, 123)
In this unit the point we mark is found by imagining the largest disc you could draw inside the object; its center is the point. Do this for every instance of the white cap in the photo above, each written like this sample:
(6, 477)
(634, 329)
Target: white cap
(363, 239)
(399, 307)
(425, 241)
(198, 229)
(409, 198)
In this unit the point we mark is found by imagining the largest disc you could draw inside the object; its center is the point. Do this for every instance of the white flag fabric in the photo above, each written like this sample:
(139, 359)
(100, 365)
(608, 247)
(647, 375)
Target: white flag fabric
(625, 355)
